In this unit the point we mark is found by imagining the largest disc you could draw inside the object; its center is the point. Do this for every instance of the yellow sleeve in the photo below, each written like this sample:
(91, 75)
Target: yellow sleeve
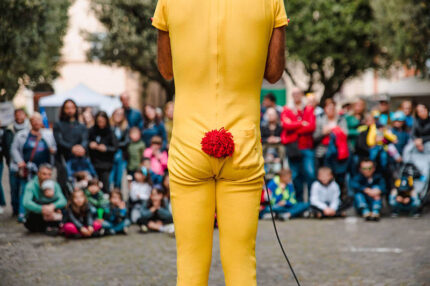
(371, 136)
(280, 15)
(159, 20)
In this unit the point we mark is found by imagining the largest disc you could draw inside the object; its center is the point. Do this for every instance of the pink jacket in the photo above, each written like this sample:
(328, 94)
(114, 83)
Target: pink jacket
(158, 165)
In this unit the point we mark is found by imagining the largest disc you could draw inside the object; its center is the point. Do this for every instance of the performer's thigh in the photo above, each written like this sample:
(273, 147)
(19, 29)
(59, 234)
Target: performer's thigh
(193, 209)
(237, 214)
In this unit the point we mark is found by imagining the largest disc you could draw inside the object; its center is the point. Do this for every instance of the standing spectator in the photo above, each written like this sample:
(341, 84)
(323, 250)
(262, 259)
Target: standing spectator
(21, 121)
(71, 137)
(134, 117)
(368, 188)
(135, 150)
(168, 120)
(400, 130)
(298, 124)
(30, 149)
(271, 129)
(88, 117)
(6, 137)
(40, 216)
(153, 126)
(269, 101)
(157, 155)
(383, 112)
(120, 129)
(102, 147)
(312, 101)
(354, 121)
(407, 109)
(421, 128)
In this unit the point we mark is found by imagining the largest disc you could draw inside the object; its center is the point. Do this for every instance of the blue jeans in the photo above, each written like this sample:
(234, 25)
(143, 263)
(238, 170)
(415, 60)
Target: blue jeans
(303, 170)
(2, 199)
(17, 187)
(295, 210)
(364, 203)
(410, 208)
(119, 227)
(119, 165)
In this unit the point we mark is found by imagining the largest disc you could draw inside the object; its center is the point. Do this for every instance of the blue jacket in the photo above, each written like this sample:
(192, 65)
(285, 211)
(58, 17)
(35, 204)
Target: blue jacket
(402, 139)
(134, 118)
(152, 130)
(278, 194)
(78, 164)
(359, 183)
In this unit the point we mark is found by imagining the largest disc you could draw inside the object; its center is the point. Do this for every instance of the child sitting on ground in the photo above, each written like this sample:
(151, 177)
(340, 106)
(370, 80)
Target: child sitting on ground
(283, 198)
(157, 156)
(81, 179)
(368, 187)
(155, 214)
(403, 198)
(115, 216)
(78, 220)
(155, 178)
(96, 198)
(325, 195)
(140, 191)
(134, 150)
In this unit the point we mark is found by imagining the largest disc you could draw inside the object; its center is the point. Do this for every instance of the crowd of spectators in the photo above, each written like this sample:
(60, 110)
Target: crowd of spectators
(320, 160)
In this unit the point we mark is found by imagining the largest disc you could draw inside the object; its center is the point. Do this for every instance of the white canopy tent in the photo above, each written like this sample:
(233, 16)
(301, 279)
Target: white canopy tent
(83, 96)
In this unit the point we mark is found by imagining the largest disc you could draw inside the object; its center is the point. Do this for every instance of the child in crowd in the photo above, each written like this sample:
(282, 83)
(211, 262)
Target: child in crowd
(134, 150)
(81, 179)
(96, 198)
(156, 155)
(79, 220)
(115, 216)
(283, 198)
(325, 195)
(368, 187)
(155, 214)
(155, 178)
(399, 129)
(49, 197)
(79, 164)
(140, 191)
(403, 198)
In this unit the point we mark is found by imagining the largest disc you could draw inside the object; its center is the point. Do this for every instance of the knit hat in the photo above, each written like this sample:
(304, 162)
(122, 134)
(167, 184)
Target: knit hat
(398, 116)
(48, 184)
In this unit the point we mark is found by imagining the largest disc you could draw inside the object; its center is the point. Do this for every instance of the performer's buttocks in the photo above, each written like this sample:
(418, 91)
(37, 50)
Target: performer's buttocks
(220, 51)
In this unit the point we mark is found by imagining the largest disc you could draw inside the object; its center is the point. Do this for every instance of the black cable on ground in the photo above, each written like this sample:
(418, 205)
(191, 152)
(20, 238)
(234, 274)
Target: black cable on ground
(277, 235)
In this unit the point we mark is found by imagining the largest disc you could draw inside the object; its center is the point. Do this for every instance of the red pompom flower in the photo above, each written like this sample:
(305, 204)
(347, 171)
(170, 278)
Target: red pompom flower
(218, 143)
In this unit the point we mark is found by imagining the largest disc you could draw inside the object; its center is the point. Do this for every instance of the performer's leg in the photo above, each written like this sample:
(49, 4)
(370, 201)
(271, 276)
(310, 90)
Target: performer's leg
(193, 208)
(237, 214)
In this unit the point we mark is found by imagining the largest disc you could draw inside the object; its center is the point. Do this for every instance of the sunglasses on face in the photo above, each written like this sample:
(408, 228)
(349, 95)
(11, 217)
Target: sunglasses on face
(367, 168)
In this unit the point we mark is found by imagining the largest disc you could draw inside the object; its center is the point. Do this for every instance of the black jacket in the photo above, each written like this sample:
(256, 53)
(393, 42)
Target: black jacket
(67, 134)
(421, 129)
(77, 220)
(6, 137)
(266, 132)
(102, 160)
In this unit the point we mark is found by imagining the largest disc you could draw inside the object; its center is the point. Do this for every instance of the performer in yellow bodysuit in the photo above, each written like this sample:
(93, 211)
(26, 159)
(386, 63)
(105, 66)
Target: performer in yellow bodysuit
(219, 50)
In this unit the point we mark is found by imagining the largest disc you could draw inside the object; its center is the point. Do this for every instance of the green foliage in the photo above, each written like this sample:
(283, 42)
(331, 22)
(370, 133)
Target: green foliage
(404, 32)
(130, 39)
(31, 33)
(334, 39)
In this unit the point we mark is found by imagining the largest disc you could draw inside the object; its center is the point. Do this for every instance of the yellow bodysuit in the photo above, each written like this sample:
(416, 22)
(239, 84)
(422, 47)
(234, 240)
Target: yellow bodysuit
(219, 50)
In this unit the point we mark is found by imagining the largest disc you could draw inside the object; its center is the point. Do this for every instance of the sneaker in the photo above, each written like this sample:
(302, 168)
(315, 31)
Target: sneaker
(394, 215)
(285, 216)
(416, 215)
(21, 218)
(266, 216)
(144, 228)
(168, 228)
(366, 215)
(1, 210)
(375, 216)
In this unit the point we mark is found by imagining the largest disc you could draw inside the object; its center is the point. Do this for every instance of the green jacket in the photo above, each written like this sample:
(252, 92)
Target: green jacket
(96, 200)
(33, 194)
(135, 153)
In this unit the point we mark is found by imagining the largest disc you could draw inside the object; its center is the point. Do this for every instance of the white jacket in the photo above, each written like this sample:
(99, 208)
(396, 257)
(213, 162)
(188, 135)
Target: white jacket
(325, 196)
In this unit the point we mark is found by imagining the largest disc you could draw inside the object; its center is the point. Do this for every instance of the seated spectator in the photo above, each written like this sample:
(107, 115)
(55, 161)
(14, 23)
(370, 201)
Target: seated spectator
(140, 191)
(421, 128)
(271, 137)
(325, 195)
(42, 211)
(298, 125)
(156, 155)
(283, 198)
(399, 129)
(102, 147)
(155, 178)
(403, 198)
(153, 126)
(81, 179)
(115, 215)
(79, 164)
(368, 187)
(96, 198)
(135, 150)
(78, 219)
(155, 214)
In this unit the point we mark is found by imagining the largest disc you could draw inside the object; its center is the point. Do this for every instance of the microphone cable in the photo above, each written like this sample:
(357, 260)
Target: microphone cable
(277, 235)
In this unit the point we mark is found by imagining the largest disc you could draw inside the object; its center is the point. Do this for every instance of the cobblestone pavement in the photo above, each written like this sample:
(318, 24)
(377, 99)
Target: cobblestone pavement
(331, 252)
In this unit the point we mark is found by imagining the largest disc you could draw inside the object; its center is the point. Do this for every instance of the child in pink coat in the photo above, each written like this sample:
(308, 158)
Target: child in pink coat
(158, 158)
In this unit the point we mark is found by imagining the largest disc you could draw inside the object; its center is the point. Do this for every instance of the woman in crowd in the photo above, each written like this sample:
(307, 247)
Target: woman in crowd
(120, 129)
(102, 147)
(71, 137)
(30, 149)
(88, 117)
(421, 127)
(355, 120)
(152, 126)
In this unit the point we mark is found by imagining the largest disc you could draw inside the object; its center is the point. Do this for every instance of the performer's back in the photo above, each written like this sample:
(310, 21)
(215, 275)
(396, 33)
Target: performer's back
(219, 50)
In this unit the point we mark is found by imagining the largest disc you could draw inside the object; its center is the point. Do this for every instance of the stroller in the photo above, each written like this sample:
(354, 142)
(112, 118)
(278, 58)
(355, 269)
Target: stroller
(417, 165)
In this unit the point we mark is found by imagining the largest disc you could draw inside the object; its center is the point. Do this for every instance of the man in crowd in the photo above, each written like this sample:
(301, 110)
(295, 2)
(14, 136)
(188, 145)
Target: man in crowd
(39, 214)
(134, 117)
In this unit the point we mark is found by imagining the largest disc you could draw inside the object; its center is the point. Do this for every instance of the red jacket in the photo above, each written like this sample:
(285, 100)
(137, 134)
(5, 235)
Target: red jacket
(293, 128)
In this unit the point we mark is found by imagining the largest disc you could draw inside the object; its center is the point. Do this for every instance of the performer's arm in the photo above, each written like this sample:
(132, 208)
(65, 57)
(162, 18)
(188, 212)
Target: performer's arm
(164, 58)
(275, 62)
